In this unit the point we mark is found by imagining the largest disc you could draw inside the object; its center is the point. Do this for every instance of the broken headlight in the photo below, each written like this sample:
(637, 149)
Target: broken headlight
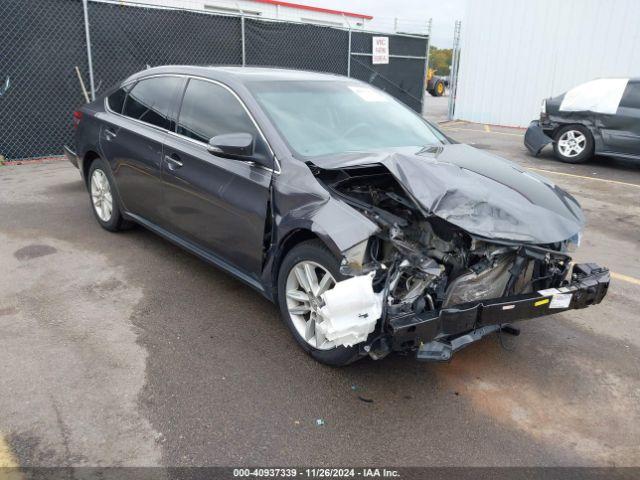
(543, 112)
(572, 244)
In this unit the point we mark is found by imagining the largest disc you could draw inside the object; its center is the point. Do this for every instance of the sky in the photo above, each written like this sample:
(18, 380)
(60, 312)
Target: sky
(412, 15)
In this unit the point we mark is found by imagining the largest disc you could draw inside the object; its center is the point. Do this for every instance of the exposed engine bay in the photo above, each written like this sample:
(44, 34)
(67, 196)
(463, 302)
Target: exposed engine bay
(419, 262)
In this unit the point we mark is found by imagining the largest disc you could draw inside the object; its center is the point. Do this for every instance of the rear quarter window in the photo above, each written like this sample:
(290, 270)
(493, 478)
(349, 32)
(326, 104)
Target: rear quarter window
(116, 100)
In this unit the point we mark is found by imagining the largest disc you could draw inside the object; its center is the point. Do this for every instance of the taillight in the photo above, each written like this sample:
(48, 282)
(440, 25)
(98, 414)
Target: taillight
(77, 116)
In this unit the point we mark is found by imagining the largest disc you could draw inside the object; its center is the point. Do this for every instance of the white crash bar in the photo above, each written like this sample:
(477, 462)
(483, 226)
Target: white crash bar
(351, 310)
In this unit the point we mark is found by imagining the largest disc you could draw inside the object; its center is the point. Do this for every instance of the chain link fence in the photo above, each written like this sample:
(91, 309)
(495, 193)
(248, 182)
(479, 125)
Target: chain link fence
(41, 43)
(47, 71)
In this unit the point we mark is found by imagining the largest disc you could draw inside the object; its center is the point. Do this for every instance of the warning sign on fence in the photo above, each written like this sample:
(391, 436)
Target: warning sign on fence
(380, 50)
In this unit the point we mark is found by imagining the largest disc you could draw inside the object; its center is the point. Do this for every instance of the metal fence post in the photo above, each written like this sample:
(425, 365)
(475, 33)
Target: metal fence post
(85, 8)
(244, 51)
(453, 76)
(349, 55)
(426, 66)
(346, 20)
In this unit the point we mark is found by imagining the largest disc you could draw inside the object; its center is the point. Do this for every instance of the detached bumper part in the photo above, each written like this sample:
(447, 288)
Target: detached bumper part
(439, 334)
(535, 139)
(350, 312)
(71, 156)
(436, 351)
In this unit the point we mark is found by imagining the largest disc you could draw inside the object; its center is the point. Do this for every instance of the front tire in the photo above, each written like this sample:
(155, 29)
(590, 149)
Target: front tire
(104, 197)
(306, 272)
(573, 144)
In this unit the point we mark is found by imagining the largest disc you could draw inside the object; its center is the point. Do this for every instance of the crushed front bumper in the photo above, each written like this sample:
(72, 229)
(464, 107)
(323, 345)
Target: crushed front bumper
(438, 334)
(535, 139)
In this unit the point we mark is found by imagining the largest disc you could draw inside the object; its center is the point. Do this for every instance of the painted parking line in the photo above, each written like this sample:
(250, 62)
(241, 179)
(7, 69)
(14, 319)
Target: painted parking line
(7, 460)
(625, 278)
(488, 130)
(448, 123)
(482, 131)
(616, 182)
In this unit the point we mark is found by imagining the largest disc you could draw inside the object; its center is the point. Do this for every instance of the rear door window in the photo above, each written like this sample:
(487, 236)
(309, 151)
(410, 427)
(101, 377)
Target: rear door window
(209, 109)
(152, 101)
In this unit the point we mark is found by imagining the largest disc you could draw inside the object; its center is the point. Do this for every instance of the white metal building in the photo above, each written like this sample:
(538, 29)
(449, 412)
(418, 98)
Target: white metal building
(277, 9)
(515, 53)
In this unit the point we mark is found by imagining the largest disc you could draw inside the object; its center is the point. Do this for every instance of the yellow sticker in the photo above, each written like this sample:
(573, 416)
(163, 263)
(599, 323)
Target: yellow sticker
(544, 301)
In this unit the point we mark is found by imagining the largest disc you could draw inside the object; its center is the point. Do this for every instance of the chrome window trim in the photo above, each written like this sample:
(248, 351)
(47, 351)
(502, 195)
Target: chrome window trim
(108, 109)
(277, 170)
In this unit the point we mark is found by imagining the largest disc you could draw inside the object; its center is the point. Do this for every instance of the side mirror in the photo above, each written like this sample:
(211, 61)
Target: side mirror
(232, 145)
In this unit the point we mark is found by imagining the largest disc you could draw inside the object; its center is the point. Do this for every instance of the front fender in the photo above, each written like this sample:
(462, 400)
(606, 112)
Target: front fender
(337, 224)
(299, 202)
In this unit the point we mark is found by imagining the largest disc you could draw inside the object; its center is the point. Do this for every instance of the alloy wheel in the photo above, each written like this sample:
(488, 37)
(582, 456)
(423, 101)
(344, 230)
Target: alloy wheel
(306, 282)
(572, 143)
(101, 196)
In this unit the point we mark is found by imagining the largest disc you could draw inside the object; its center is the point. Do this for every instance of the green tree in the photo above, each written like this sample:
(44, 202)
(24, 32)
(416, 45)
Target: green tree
(440, 60)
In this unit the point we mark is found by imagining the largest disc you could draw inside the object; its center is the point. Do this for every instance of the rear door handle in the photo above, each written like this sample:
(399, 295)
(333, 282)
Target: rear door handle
(173, 162)
(109, 134)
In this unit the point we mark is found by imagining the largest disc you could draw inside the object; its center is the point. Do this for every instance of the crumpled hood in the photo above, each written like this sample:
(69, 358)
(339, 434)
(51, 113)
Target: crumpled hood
(478, 192)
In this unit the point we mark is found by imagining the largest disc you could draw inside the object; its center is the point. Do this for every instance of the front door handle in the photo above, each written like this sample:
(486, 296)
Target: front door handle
(173, 162)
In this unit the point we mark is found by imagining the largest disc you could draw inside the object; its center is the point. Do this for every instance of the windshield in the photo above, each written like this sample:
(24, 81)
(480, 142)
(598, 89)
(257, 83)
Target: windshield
(322, 118)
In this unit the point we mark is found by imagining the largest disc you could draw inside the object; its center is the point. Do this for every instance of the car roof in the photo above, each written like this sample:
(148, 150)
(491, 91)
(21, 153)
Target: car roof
(240, 74)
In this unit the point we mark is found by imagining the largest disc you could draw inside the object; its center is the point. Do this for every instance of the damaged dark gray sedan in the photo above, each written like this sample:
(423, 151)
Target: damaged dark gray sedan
(600, 117)
(371, 230)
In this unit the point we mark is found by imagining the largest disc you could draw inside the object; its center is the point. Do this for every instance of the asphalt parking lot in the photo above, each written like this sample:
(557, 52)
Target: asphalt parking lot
(121, 349)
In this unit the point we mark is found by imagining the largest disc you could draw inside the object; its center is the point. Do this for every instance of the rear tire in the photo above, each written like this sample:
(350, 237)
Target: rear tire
(105, 202)
(573, 144)
(315, 252)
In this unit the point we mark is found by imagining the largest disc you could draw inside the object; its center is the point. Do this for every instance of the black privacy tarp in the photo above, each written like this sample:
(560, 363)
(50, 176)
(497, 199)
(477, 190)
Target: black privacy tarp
(125, 39)
(299, 46)
(43, 41)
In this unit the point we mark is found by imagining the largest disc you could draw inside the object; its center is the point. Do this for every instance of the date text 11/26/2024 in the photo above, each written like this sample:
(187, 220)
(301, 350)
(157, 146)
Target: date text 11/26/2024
(316, 472)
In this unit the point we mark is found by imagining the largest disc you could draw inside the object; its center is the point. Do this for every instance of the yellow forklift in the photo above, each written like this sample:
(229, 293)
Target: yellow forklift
(435, 83)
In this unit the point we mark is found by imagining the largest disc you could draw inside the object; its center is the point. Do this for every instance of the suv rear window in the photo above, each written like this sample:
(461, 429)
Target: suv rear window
(151, 101)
